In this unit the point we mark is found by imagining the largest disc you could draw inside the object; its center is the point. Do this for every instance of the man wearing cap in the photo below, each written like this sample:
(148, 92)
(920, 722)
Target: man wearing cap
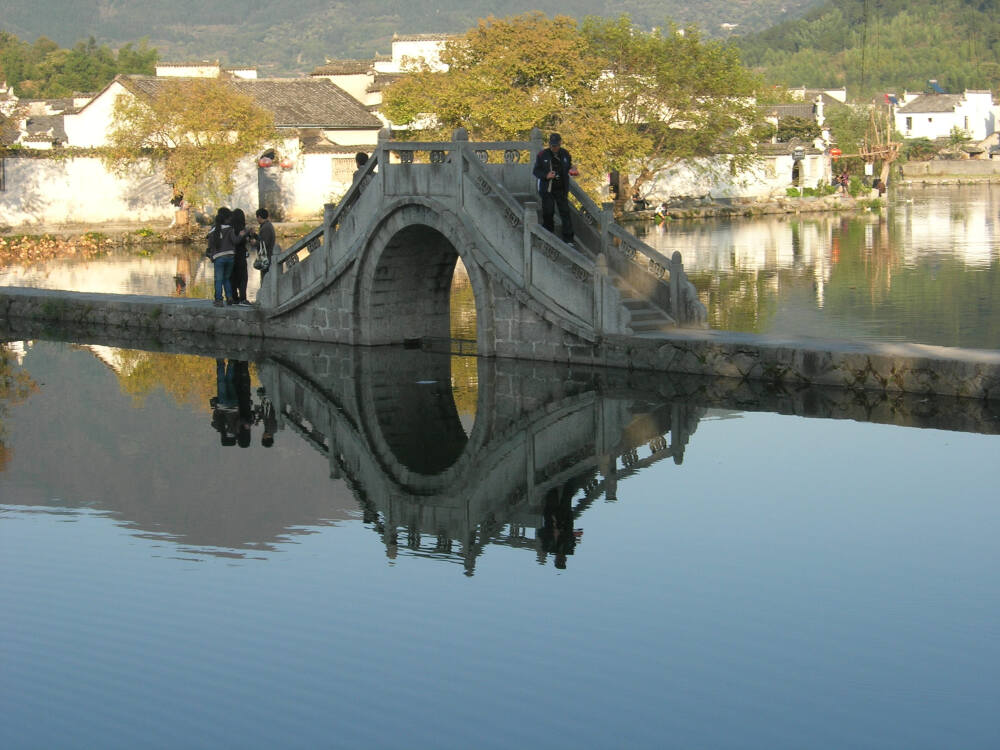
(553, 168)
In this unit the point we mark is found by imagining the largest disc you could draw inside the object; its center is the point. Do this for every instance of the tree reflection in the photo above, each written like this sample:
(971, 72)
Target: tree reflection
(15, 386)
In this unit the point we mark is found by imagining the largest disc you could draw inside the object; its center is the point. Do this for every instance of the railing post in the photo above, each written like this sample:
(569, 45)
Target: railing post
(528, 220)
(537, 139)
(328, 210)
(600, 294)
(460, 139)
(676, 276)
(384, 135)
(606, 218)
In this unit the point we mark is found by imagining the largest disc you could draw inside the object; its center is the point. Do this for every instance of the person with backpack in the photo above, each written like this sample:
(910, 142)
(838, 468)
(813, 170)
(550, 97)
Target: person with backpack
(221, 255)
(265, 243)
(553, 168)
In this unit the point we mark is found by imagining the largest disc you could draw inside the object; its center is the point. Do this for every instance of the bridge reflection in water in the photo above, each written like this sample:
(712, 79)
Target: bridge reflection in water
(546, 442)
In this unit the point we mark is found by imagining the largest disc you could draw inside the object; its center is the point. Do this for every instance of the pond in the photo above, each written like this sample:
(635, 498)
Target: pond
(926, 269)
(325, 547)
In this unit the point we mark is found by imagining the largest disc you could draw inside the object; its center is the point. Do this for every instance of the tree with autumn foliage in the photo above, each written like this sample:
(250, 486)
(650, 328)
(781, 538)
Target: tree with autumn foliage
(639, 102)
(197, 129)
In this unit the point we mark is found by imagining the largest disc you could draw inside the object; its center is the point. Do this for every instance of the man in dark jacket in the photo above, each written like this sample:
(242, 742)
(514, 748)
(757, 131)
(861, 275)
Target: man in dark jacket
(265, 235)
(553, 168)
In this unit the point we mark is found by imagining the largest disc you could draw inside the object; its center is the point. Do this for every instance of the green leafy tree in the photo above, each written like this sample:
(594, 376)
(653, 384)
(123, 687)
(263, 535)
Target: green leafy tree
(44, 70)
(625, 99)
(197, 129)
(919, 149)
(16, 385)
(790, 128)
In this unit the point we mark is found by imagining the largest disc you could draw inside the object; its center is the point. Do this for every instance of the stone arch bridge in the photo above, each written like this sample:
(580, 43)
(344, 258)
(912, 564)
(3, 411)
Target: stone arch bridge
(379, 268)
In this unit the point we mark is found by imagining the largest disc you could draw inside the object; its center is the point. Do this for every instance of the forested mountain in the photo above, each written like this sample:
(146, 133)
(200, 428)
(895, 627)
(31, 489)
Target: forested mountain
(875, 46)
(289, 36)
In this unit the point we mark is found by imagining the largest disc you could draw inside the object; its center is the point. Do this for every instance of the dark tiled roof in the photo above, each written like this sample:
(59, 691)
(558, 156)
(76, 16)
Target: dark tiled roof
(423, 37)
(48, 127)
(343, 67)
(382, 80)
(803, 110)
(781, 149)
(314, 142)
(295, 102)
(9, 131)
(933, 103)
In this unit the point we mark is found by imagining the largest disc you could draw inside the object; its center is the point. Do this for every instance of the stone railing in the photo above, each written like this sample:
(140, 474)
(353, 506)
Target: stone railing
(659, 279)
(306, 263)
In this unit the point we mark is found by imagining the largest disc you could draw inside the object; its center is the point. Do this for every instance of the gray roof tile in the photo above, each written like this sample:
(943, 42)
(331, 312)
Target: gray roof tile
(933, 103)
(295, 102)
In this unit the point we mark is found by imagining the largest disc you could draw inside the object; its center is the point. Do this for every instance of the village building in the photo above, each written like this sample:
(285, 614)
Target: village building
(937, 115)
(366, 80)
(321, 128)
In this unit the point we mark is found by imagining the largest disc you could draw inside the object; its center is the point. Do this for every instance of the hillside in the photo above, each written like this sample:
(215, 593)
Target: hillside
(875, 46)
(289, 36)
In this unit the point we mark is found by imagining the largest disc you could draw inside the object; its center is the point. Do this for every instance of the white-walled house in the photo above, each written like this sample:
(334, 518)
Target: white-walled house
(937, 115)
(365, 80)
(320, 125)
(413, 52)
(779, 167)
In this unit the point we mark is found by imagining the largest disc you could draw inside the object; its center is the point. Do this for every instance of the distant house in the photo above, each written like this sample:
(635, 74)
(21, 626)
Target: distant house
(365, 80)
(38, 123)
(937, 115)
(809, 104)
(321, 128)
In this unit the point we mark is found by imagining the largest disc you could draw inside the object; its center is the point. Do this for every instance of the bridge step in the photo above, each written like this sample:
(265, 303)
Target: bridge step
(646, 318)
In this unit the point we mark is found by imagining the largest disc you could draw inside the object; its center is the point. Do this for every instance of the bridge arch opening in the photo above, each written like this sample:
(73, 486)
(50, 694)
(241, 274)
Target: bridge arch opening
(420, 290)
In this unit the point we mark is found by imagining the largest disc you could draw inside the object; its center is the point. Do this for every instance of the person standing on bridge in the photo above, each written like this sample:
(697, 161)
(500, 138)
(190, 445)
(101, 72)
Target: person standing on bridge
(221, 255)
(553, 168)
(265, 243)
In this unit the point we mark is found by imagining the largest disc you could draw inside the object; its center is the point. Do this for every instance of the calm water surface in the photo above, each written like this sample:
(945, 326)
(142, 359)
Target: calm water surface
(925, 269)
(439, 555)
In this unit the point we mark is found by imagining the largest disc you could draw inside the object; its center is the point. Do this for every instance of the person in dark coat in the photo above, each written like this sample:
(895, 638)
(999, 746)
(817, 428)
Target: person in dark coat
(553, 168)
(238, 221)
(267, 237)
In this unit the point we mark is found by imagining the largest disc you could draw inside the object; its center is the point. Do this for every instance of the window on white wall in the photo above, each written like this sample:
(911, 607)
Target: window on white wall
(3, 175)
(342, 170)
(909, 124)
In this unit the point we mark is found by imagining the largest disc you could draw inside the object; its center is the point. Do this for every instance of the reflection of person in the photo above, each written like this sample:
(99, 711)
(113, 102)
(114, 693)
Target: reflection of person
(244, 406)
(225, 405)
(266, 415)
(557, 534)
(553, 168)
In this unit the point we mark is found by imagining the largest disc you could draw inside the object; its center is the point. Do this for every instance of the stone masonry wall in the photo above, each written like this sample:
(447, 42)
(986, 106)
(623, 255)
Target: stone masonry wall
(781, 362)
